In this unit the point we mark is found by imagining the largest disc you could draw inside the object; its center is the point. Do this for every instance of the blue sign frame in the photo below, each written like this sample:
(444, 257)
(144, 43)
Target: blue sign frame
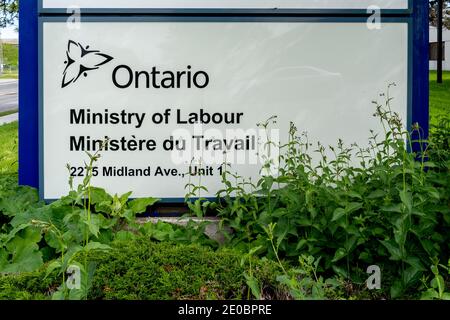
(275, 11)
(30, 103)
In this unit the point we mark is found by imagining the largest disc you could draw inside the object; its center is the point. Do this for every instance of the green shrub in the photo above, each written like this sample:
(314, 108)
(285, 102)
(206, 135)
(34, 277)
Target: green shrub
(380, 205)
(146, 270)
(27, 286)
(142, 270)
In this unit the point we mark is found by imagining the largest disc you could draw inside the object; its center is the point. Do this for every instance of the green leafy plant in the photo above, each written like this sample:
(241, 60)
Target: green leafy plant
(437, 289)
(19, 251)
(68, 226)
(305, 284)
(386, 204)
(198, 205)
(252, 282)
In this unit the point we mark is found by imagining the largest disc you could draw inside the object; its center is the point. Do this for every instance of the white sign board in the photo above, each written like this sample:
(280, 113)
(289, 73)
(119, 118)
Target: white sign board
(140, 83)
(228, 4)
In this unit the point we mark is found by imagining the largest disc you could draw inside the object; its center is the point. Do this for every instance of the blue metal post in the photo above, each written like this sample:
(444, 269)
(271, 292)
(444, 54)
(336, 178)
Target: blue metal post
(28, 94)
(420, 104)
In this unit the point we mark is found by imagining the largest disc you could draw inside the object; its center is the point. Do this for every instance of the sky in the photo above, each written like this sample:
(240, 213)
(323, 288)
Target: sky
(9, 32)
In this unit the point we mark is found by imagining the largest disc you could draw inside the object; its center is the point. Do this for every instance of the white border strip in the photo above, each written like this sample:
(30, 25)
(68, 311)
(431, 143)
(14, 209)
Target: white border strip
(224, 4)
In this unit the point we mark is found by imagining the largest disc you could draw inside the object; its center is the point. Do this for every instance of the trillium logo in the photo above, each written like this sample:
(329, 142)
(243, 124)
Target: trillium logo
(80, 61)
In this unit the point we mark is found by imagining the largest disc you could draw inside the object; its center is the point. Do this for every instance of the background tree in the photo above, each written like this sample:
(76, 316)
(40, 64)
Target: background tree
(9, 10)
(446, 13)
(439, 17)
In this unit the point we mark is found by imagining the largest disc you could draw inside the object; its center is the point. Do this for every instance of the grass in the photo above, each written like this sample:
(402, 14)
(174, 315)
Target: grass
(8, 148)
(439, 96)
(7, 75)
(7, 113)
(11, 58)
(10, 55)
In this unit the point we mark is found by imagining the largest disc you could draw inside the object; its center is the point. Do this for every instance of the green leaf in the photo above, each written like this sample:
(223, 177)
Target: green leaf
(397, 289)
(365, 256)
(428, 245)
(54, 242)
(434, 193)
(410, 275)
(105, 223)
(430, 294)
(379, 193)
(124, 197)
(416, 263)
(353, 206)
(124, 235)
(25, 255)
(340, 271)
(52, 266)
(439, 284)
(19, 201)
(70, 254)
(104, 207)
(406, 198)
(301, 243)
(377, 231)
(304, 222)
(3, 258)
(254, 286)
(435, 270)
(58, 295)
(96, 246)
(162, 231)
(337, 214)
(349, 208)
(340, 253)
(129, 215)
(254, 250)
(105, 236)
(350, 244)
(354, 194)
(12, 234)
(93, 224)
(99, 195)
(401, 230)
(32, 234)
(392, 208)
(393, 249)
(54, 214)
(418, 213)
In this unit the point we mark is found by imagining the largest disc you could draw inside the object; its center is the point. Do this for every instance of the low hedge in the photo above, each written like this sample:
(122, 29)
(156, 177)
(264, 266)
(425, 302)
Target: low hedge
(146, 270)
